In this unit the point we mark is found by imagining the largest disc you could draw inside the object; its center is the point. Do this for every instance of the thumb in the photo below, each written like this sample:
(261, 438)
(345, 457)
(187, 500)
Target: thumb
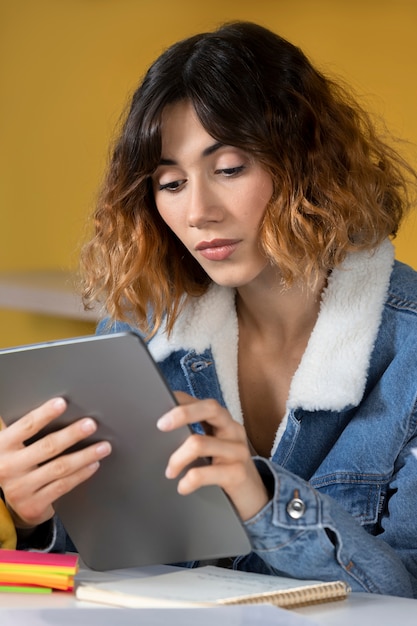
(183, 398)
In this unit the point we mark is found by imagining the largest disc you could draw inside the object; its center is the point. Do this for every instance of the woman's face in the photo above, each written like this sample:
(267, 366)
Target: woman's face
(212, 196)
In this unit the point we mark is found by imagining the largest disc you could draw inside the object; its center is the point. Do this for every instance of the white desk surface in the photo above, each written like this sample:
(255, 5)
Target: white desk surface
(359, 609)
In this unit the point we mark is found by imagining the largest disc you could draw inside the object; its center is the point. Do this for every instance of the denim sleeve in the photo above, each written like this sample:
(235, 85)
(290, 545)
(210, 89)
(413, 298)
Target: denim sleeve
(302, 533)
(108, 327)
(50, 536)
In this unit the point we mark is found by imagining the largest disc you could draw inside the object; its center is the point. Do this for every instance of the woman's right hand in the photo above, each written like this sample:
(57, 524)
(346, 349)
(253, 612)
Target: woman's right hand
(32, 477)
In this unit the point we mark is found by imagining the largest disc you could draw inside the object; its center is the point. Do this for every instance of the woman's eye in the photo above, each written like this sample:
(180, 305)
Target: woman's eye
(173, 185)
(231, 171)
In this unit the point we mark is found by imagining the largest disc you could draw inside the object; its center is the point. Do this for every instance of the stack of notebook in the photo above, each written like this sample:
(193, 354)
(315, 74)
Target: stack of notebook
(36, 572)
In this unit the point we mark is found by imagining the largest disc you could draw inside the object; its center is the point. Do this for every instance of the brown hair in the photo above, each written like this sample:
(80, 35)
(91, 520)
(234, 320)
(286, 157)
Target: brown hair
(338, 186)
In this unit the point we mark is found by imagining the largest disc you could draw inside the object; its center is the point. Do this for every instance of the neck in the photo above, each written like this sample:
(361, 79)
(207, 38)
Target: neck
(270, 310)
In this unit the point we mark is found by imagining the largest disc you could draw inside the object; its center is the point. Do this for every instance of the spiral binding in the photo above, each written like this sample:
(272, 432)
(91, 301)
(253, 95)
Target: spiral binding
(296, 597)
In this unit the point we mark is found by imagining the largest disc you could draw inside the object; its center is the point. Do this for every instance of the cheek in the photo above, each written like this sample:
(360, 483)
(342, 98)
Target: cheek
(266, 191)
(172, 219)
(166, 214)
(256, 206)
(258, 197)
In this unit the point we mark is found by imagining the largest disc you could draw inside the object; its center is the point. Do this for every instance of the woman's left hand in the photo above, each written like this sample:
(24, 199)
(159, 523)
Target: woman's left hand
(232, 467)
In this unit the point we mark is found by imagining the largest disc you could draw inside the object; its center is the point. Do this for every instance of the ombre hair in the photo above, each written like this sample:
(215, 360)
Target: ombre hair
(338, 187)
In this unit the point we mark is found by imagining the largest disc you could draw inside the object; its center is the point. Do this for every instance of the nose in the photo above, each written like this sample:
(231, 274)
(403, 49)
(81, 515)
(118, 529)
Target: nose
(204, 205)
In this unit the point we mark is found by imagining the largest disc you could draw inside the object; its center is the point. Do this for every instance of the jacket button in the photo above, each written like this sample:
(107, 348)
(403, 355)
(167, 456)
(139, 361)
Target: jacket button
(197, 366)
(296, 508)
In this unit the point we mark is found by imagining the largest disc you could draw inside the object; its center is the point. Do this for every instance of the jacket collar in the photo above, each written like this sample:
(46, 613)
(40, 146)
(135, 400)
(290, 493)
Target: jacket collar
(333, 371)
(208, 322)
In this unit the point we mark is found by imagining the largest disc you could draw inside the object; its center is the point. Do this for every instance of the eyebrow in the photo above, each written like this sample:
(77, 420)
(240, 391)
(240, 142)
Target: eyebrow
(206, 152)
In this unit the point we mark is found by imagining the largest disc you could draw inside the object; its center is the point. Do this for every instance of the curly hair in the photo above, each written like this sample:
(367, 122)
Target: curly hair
(338, 186)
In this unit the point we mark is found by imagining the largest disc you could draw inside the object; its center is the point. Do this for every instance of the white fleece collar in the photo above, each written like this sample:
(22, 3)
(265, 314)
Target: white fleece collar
(209, 321)
(333, 371)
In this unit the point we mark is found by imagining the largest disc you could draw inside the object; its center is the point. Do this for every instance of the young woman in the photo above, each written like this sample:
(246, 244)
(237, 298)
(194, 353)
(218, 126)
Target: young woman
(244, 228)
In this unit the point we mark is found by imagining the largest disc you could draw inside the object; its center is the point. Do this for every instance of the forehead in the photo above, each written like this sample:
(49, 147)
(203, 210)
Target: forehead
(181, 127)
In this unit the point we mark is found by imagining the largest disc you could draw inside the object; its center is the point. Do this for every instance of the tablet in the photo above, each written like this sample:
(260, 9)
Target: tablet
(128, 514)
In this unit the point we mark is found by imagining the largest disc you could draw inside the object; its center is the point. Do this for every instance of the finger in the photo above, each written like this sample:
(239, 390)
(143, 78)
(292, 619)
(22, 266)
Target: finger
(184, 398)
(207, 411)
(205, 475)
(33, 493)
(61, 467)
(242, 484)
(25, 458)
(37, 508)
(201, 446)
(69, 464)
(29, 425)
(54, 444)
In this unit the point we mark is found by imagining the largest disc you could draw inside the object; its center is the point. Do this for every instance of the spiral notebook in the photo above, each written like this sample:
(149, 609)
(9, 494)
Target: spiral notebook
(211, 586)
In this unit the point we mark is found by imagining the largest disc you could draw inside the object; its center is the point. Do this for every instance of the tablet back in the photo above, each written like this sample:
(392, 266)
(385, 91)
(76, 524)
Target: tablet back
(128, 514)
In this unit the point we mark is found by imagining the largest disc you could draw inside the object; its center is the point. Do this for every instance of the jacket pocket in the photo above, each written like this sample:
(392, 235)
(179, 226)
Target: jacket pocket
(361, 495)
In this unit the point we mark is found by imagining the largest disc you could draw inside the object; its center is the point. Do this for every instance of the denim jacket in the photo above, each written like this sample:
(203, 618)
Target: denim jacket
(343, 466)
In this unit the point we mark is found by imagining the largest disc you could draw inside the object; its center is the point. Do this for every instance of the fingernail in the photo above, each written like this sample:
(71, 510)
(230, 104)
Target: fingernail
(59, 403)
(103, 449)
(88, 425)
(164, 422)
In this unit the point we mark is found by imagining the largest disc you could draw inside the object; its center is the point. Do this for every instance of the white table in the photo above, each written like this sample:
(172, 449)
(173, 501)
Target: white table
(62, 609)
(364, 609)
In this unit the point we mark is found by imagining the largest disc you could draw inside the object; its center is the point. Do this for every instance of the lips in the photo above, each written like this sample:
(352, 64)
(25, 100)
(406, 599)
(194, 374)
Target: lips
(217, 249)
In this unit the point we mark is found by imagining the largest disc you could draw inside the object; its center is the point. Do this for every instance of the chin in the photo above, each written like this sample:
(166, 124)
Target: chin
(234, 280)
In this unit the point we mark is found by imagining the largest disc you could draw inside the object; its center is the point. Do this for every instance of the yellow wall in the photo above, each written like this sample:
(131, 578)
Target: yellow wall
(67, 66)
